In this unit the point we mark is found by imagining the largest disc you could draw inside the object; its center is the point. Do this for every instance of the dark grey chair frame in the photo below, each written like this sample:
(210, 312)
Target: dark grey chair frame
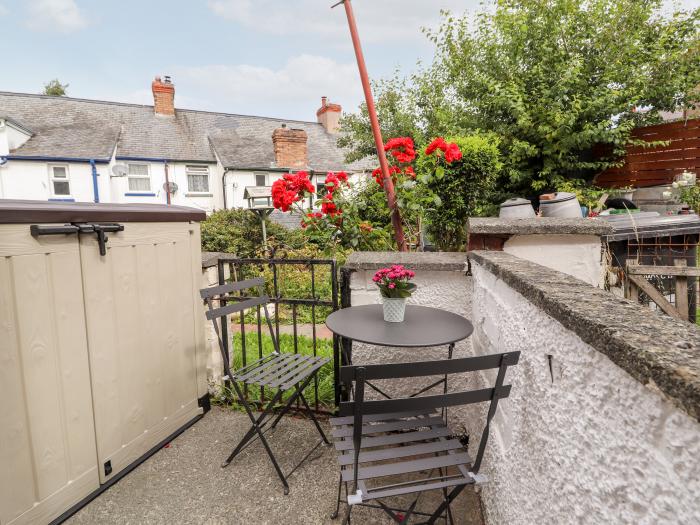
(280, 371)
(409, 436)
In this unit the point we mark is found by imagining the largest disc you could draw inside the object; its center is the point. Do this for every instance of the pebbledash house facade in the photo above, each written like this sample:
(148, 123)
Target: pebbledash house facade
(66, 149)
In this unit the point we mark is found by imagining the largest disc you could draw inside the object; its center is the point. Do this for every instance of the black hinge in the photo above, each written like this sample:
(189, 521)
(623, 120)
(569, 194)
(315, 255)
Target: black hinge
(98, 229)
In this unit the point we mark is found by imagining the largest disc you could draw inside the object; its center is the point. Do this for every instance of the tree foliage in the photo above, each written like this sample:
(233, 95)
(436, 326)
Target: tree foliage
(54, 88)
(551, 78)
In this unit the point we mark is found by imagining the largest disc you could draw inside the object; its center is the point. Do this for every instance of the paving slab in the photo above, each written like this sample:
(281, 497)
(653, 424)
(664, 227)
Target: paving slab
(184, 483)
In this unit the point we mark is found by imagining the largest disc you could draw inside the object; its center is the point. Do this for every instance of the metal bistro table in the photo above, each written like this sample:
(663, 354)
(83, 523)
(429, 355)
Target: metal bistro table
(422, 327)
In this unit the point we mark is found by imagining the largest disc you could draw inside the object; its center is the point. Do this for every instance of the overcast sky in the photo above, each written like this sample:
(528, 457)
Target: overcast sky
(261, 57)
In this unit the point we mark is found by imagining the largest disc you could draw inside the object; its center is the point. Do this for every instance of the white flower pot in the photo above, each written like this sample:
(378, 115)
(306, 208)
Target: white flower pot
(394, 309)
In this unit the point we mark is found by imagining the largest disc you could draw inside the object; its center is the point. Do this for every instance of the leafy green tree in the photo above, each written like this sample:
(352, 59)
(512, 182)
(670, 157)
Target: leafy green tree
(55, 88)
(553, 79)
(396, 114)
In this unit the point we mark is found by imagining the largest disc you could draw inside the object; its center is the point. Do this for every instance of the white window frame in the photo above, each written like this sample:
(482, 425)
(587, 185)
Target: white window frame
(53, 178)
(190, 191)
(263, 174)
(129, 176)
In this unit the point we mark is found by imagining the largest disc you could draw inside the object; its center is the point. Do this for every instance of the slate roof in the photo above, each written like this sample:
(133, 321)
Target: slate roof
(91, 129)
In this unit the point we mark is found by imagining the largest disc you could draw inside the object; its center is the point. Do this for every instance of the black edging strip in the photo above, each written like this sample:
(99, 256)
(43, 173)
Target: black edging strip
(93, 495)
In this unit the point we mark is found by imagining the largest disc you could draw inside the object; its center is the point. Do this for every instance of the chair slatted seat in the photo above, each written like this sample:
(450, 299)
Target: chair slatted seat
(278, 371)
(394, 447)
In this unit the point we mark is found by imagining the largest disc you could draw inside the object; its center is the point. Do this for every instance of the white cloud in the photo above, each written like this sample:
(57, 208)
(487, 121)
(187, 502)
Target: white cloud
(62, 16)
(3, 10)
(377, 21)
(292, 91)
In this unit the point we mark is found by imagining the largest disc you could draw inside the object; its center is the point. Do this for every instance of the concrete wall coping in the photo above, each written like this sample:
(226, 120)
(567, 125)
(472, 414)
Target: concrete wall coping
(431, 261)
(209, 259)
(660, 352)
(538, 225)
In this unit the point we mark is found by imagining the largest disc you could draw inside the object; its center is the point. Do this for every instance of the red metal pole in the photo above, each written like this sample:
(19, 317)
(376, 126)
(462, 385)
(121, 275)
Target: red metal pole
(383, 164)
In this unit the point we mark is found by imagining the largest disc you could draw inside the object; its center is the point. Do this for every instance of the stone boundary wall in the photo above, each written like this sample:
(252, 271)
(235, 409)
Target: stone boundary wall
(602, 422)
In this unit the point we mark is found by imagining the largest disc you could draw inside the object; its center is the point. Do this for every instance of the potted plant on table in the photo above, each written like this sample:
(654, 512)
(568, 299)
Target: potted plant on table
(395, 288)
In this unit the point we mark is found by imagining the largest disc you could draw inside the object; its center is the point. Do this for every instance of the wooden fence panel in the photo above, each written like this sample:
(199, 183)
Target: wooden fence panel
(652, 166)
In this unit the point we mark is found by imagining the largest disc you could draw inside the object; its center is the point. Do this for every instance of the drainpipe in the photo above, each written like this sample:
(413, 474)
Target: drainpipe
(95, 188)
(223, 185)
(167, 182)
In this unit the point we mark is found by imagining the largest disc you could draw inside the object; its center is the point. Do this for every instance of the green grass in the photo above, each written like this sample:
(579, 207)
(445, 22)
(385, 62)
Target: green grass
(324, 348)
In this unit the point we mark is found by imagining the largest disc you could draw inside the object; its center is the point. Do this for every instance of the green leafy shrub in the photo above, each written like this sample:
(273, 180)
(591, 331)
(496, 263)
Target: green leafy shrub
(464, 188)
(239, 231)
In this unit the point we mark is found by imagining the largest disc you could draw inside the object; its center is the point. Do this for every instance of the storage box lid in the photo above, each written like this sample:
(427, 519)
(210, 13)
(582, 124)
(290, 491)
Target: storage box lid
(25, 211)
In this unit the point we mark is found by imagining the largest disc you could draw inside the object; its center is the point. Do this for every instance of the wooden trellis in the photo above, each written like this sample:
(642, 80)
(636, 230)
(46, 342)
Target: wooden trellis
(636, 281)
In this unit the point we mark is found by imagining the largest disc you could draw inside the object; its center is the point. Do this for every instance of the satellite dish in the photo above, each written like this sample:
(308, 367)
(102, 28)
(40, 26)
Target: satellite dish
(170, 187)
(119, 170)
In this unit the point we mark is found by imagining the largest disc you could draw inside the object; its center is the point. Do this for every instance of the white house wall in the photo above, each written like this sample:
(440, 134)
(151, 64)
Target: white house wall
(30, 180)
(20, 179)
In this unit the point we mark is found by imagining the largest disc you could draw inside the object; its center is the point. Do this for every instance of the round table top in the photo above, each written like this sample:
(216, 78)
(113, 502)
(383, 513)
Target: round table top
(422, 326)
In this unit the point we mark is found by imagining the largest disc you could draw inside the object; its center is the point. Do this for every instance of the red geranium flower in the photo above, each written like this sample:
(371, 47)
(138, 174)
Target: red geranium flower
(401, 148)
(453, 153)
(437, 143)
(289, 189)
(379, 177)
(334, 180)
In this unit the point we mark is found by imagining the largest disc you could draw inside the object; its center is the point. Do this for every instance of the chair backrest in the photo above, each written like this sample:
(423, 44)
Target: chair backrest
(359, 407)
(230, 304)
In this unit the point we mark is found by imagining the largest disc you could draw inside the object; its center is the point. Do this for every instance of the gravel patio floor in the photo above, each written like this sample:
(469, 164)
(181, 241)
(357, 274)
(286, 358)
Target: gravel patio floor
(184, 483)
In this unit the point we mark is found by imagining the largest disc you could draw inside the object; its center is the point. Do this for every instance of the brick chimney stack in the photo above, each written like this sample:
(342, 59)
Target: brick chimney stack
(290, 148)
(328, 115)
(163, 96)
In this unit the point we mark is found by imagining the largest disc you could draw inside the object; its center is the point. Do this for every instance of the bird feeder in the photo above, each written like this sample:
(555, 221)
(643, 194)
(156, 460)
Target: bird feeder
(260, 202)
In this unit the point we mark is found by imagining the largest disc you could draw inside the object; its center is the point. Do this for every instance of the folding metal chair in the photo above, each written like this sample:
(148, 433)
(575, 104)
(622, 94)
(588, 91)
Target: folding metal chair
(395, 447)
(280, 372)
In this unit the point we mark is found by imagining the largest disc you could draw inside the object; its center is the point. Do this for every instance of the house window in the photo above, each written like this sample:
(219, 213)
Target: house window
(60, 185)
(139, 177)
(198, 179)
(261, 179)
(320, 190)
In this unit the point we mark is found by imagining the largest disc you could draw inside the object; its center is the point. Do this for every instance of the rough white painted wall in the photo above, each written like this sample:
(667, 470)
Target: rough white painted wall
(575, 255)
(449, 290)
(590, 445)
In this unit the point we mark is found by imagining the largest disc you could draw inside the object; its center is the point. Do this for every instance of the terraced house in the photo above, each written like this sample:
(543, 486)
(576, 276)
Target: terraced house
(67, 149)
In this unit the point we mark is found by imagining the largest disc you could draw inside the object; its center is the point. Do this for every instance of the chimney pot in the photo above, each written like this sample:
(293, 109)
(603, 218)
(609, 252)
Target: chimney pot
(163, 96)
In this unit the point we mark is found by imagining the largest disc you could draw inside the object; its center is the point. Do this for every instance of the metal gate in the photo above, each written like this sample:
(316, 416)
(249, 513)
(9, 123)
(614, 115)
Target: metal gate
(303, 292)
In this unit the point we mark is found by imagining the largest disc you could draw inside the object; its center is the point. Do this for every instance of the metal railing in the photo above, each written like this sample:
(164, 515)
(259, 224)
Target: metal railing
(303, 292)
